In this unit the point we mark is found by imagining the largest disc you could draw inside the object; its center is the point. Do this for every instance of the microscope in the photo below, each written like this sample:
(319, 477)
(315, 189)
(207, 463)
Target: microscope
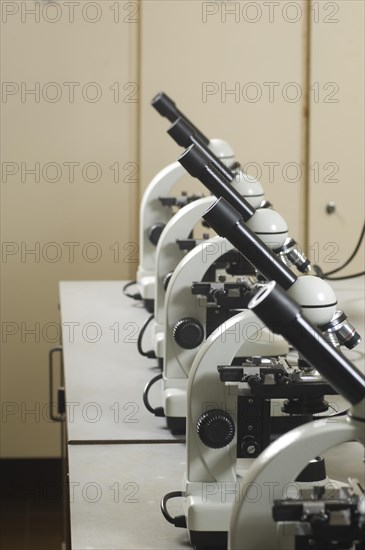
(157, 206)
(309, 519)
(212, 444)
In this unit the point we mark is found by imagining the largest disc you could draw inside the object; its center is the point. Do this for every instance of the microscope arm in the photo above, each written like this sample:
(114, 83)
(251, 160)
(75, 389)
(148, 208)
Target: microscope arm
(243, 335)
(180, 302)
(151, 210)
(168, 254)
(252, 526)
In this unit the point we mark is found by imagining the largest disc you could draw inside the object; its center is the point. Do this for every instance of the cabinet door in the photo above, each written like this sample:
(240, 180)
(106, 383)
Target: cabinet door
(236, 69)
(336, 199)
(69, 185)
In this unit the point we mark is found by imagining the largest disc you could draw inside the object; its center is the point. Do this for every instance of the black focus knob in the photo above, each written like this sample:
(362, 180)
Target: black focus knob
(216, 428)
(188, 333)
(166, 280)
(154, 232)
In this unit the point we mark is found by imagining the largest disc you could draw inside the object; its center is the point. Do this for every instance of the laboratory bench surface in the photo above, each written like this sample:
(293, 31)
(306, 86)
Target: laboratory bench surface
(104, 373)
(123, 460)
(116, 492)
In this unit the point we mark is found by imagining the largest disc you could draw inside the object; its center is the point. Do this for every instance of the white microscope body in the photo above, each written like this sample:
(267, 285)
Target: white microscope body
(168, 254)
(154, 215)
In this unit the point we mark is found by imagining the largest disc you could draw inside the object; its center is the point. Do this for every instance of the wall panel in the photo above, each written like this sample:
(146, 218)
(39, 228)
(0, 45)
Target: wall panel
(236, 69)
(337, 133)
(77, 211)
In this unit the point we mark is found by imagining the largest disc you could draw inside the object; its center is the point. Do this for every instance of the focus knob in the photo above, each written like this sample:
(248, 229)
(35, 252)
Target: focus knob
(188, 333)
(154, 232)
(216, 428)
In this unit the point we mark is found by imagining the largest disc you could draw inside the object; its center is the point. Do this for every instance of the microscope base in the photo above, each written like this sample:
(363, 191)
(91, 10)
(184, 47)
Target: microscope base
(149, 305)
(207, 510)
(146, 284)
(174, 402)
(176, 425)
(209, 541)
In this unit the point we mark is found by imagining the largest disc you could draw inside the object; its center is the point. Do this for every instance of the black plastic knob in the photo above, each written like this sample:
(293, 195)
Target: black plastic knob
(250, 447)
(216, 428)
(166, 280)
(154, 232)
(188, 333)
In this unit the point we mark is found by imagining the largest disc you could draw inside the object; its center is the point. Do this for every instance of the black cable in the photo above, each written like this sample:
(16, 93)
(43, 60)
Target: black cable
(158, 411)
(150, 354)
(350, 258)
(177, 521)
(353, 276)
(135, 296)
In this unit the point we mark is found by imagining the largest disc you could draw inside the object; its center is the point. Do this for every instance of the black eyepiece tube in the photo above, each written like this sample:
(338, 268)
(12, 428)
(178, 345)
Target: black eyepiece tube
(283, 316)
(183, 134)
(198, 163)
(227, 222)
(167, 108)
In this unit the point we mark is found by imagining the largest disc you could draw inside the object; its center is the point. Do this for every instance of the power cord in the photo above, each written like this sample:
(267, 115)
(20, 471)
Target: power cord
(157, 411)
(323, 275)
(343, 278)
(150, 354)
(135, 296)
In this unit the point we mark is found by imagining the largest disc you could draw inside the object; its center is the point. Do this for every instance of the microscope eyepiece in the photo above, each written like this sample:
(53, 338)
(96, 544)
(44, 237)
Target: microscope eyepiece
(167, 108)
(222, 217)
(202, 164)
(271, 303)
(181, 132)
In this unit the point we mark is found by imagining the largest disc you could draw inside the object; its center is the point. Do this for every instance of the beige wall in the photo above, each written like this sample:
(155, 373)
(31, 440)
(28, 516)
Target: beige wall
(186, 47)
(337, 141)
(36, 213)
(211, 51)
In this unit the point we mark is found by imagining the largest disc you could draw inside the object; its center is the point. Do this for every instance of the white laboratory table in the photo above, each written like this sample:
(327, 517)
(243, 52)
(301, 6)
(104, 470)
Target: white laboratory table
(122, 460)
(115, 493)
(104, 373)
